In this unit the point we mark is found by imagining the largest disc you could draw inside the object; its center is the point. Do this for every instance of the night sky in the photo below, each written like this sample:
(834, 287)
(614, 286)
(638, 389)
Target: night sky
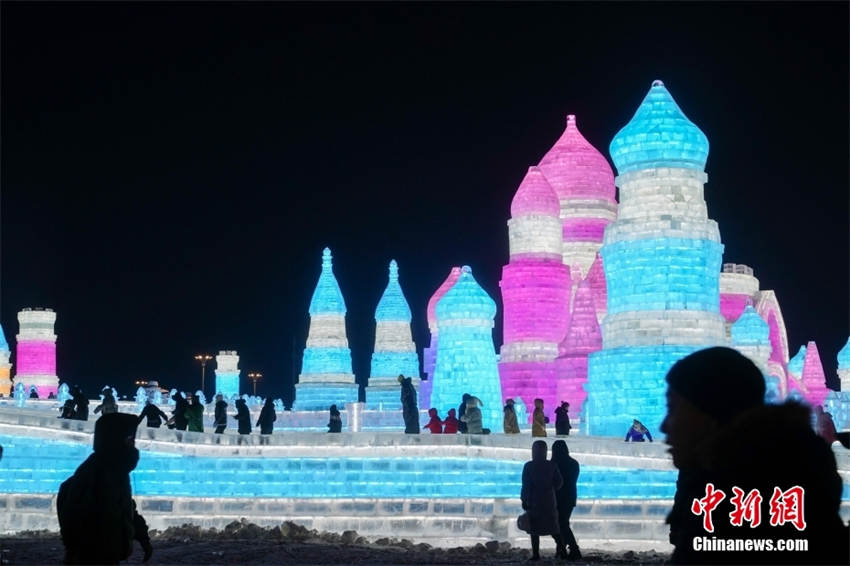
(171, 172)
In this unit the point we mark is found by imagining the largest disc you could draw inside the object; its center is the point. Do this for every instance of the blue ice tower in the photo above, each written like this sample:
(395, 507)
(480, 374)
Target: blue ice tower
(751, 336)
(326, 376)
(395, 351)
(466, 357)
(662, 259)
(837, 403)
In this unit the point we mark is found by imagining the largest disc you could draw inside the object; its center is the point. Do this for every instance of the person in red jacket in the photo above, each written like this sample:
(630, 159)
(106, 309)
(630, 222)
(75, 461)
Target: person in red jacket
(450, 423)
(435, 425)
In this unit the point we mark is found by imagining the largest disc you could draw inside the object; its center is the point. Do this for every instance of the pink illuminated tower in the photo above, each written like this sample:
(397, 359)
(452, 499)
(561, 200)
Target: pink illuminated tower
(36, 351)
(814, 379)
(429, 361)
(583, 338)
(535, 292)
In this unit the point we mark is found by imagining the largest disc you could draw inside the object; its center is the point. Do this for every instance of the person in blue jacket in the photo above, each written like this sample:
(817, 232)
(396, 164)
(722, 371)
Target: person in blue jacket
(637, 431)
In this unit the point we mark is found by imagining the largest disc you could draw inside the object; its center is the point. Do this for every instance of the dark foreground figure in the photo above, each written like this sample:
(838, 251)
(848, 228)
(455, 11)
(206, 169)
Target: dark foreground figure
(721, 433)
(97, 515)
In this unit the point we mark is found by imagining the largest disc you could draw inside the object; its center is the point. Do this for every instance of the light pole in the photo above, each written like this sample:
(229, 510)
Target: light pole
(203, 358)
(255, 377)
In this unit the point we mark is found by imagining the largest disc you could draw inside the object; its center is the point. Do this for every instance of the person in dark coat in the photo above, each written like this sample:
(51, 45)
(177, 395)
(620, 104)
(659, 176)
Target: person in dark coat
(180, 415)
(243, 417)
(509, 422)
(33, 392)
(220, 421)
(335, 422)
(195, 415)
(540, 480)
(409, 407)
(81, 404)
(67, 410)
(450, 425)
(98, 520)
(461, 411)
(566, 496)
(562, 419)
(473, 418)
(267, 417)
(154, 415)
(109, 404)
(637, 431)
(435, 425)
(721, 432)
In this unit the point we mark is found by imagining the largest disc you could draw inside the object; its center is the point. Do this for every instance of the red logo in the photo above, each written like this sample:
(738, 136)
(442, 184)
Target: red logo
(746, 508)
(787, 507)
(707, 504)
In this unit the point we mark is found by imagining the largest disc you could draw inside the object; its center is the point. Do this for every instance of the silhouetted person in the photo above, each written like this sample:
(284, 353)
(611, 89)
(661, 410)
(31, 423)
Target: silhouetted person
(243, 417)
(566, 496)
(461, 410)
(220, 419)
(538, 419)
(720, 432)
(267, 417)
(562, 419)
(540, 480)
(335, 422)
(51, 395)
(180, 414)
(153, 414)
(509, 421)
(473, 418)
(67, 410)
(435, 425)
(33, 392)
(108, 405)
(97, 515)
(637, 431)
(195, 415)
(409, 406)
(81, 404)
(451, 424)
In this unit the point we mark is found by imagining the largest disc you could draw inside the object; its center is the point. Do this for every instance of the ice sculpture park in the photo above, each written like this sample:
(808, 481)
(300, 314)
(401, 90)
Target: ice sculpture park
(599, 298)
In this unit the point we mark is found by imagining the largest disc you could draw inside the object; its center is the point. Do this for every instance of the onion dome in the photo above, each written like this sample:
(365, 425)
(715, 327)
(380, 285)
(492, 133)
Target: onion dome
(466, 300)
(327, 298)
(535, 196)
(795, 364)
(750, 329)
(4, 346)
(576, 169)
(454, 274)
(393, 305)
(844, 356)
(659, 135)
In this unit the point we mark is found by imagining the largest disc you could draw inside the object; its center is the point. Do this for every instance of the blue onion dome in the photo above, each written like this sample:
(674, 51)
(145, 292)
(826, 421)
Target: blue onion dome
(4, 346)
(795, 364)
(844, 356)
(659, 135)
(393, 305)
(327, 298)
(466, 300)
(750, 329)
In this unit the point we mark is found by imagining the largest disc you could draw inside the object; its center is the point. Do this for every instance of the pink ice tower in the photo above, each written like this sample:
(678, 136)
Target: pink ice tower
(535, 292)
(583, 338)
(814, 378)
(430, 353)
(36, 351)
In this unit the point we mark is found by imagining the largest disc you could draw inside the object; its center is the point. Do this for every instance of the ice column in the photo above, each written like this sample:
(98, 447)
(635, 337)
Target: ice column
(750, 335)
(466, 360)
(227, 373)
(583, 338)
(5, 366)
(814, 378)
(535, 292)
(36, 351)
(326, 375)
(430, 354)
(662, 260)
(395, 351)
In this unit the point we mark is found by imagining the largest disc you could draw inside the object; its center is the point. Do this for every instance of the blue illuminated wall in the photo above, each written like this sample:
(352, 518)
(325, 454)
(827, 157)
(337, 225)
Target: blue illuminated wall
(466, 358)
(662, 259)
(227, 384)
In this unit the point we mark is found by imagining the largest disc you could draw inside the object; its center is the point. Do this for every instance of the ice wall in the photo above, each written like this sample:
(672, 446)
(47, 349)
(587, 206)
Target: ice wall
(583, 338)
(814, 378)
(429, 356)
(36, 351)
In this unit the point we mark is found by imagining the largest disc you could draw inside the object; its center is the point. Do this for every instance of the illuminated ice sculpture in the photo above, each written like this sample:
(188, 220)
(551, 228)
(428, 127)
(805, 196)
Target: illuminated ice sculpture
(395, 352)
(36, 351)
(535, 289)
(429, 355)
(838, 402)
(227, 374)
(5, 366)
(813, 377)
(466, 360)
(583, 338)
(326, 375)
(662, 259)
(750, 335)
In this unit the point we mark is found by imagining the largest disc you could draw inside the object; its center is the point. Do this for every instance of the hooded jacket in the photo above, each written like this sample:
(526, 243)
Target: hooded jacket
(195, 416)
(435, 425)
(509, 423)
(451, 423)
(539, 420)
(540, 480)
(243, 417)
(180, 412)
(267, 417)
(220, 413)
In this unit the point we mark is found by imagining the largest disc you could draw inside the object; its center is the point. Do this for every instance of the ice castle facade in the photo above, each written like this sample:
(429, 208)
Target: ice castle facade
(429, 356)
(227, 374)
(395, 351)
(838, 402)
(5, 366)
(326, 374)
(35, 355)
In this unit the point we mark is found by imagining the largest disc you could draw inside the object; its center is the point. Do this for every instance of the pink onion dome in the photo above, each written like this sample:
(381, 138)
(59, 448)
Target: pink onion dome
(535, 196)
(576, 169)
(454, 274)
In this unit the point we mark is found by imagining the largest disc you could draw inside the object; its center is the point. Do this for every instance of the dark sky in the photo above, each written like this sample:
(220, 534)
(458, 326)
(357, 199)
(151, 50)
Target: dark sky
(171, 172)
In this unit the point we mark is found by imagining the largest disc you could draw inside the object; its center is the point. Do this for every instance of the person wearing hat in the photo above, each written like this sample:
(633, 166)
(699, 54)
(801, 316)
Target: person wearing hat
(509, 421)
(409, 406)
(720, 432)
(97, 515)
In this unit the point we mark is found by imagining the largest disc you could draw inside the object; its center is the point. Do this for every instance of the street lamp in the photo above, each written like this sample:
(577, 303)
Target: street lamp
(255, 377)
(203, 358)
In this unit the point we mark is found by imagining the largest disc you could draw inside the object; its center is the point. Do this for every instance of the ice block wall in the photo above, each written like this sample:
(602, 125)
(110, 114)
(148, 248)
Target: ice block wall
(395, 351)
(583, 338)
(837, 403)
(662, 259)
(750, 335)
(227, 373)
(813, 377)
(429, 355)
(738, 288)
(326, 374)
(5, 366)
(36, 351)
(466, 359)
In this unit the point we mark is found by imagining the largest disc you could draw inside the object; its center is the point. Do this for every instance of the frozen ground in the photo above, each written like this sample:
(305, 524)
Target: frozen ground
(245, 543)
